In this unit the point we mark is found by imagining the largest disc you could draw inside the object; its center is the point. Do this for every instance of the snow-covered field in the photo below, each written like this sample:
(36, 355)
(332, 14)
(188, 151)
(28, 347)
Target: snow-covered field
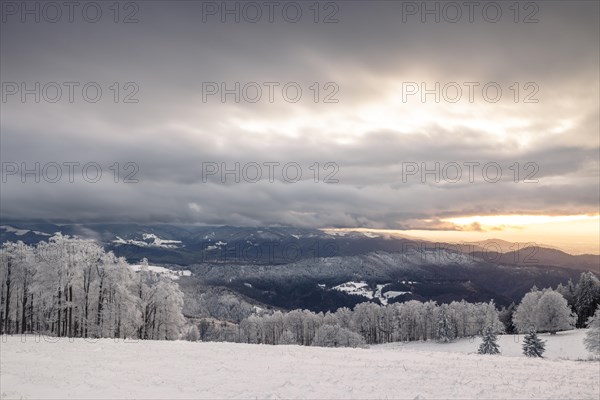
(177, 370)
(564, 345)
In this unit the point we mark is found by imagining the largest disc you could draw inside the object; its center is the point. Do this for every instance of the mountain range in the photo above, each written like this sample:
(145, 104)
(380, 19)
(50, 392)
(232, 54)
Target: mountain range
(287, 267)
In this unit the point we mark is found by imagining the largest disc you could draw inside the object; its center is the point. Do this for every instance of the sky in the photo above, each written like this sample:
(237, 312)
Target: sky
(473, 125)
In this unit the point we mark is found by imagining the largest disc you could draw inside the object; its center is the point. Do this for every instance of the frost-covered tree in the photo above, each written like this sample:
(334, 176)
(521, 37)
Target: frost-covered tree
(429, 320)
(294, 324)
(568, 292)
(491, 317)
(525, 316)
(214, 302)
(336, 336)
(489, 344)
(17, 275)
(344, 317)
(71, 287)
(553, 313)
(592, 337)
(168, 303)
(274, 325)
(543, 311)
(288, 338)
(533, 346)
(587, 297)
(445, 325)
(192, 334)
(310, 323)
(412, 320)
(365, 321)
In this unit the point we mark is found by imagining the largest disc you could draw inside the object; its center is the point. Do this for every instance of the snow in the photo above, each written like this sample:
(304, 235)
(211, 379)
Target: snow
(173, 274)
(18, 232)
(362, 289)
(21, 232)
(355, 288)
(150, 240)
(393, 293)
(158, 241)
(566, 345)
(182, 370)
(383, 298)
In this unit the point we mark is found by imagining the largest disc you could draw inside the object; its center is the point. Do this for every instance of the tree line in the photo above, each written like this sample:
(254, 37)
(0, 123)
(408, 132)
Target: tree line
(367, 323)
(544, 310)
(72, 287)
(581, 299)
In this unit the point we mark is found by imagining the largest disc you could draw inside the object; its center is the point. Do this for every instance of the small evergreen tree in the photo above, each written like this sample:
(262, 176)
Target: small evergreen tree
(587, 297)
(489, 344)
(592, 337)
(533, 346)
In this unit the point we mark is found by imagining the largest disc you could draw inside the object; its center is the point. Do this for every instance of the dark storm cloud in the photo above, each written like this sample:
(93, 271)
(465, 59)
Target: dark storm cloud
(369, 133)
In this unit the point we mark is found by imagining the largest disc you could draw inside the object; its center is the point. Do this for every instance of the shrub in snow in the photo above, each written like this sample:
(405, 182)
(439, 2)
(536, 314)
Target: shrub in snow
(192, 334)
(533, 346)
(336, 336)
(592, 337)
(489, 345)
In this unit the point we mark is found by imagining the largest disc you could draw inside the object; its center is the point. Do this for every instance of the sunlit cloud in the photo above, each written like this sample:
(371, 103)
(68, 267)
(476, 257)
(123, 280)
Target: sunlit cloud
(368, 133)
(518, 220)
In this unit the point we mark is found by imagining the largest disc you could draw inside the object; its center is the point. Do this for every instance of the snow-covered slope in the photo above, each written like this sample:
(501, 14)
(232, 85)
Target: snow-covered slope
(149, 240)
(173, 274)
(178, 370)
(362, 289)
(21, 232)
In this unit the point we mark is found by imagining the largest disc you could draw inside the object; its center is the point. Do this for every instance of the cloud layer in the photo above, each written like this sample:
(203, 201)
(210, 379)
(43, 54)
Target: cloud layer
(370, 134)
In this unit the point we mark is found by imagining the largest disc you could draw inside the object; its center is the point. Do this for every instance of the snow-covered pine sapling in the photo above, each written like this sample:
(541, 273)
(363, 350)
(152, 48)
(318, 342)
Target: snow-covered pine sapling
(533, 346)
(489, 345)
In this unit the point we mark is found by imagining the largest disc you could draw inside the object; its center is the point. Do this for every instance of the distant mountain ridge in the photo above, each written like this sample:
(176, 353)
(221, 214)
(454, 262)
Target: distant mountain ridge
(287, 268)
(191, 244)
